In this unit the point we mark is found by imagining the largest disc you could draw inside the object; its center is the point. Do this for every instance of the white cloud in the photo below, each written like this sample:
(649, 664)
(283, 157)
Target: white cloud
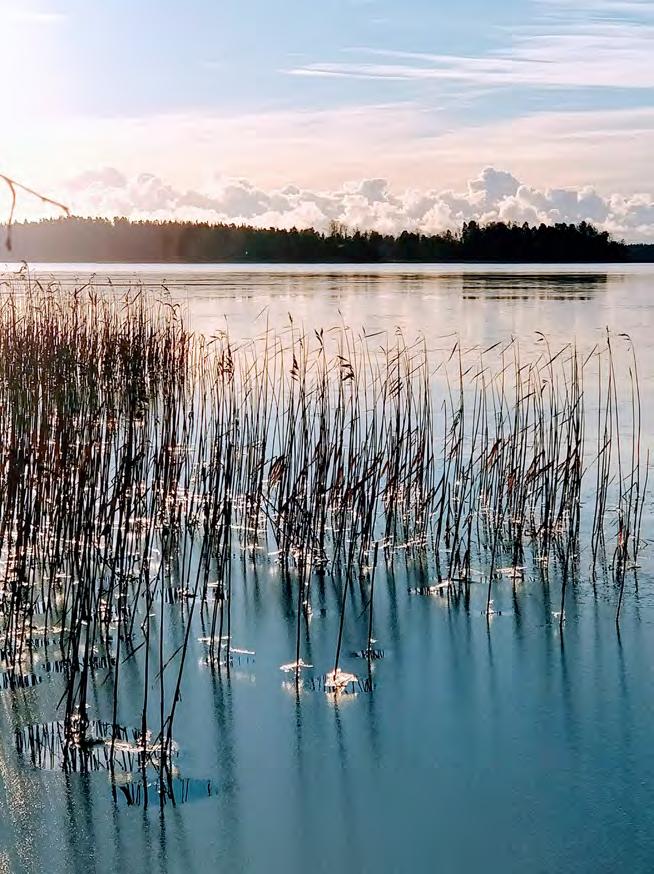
(35, 17)
(602, 53)
(323, 146)
(20, 12)
(408, 144)
(412, 147)
(368, 204)
(628, 7)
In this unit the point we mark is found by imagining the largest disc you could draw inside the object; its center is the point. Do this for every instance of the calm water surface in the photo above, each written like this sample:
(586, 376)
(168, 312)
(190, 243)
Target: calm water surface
(501, 746)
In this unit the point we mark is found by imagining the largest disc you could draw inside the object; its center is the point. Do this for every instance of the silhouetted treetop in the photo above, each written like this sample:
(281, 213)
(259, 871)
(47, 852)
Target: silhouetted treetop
(88, 240)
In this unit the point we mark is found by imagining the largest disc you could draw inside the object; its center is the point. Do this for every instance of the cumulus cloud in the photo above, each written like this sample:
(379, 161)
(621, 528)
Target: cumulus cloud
(367, 204)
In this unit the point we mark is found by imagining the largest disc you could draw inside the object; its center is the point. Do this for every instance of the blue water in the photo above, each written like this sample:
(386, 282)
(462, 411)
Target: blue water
(507, 745)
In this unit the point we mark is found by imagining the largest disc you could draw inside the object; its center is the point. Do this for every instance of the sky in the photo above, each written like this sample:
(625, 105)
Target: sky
(374, 113)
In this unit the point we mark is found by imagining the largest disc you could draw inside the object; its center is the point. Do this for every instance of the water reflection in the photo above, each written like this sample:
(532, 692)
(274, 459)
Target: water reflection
(481, 746)
(463, 710)
(434, 299)
(534, 286)
(227, 757)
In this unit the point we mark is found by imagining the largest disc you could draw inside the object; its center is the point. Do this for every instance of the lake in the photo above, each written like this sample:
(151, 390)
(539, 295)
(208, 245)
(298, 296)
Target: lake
(503, 742)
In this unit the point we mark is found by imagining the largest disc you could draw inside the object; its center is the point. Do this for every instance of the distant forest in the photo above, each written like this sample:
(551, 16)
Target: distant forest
(91, 240)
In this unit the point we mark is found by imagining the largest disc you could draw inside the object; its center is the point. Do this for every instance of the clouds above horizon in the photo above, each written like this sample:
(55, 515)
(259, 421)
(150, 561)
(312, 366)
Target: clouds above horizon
(421, 94)
(366, 204)
(411, 148)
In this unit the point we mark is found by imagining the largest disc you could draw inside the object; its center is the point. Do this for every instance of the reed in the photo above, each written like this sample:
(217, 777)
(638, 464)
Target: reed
(137, 458)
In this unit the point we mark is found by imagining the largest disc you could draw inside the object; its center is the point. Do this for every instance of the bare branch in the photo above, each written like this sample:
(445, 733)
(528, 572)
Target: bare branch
(13, 187)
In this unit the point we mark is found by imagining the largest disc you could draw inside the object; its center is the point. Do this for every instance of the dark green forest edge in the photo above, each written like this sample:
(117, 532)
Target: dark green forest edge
(100, 240)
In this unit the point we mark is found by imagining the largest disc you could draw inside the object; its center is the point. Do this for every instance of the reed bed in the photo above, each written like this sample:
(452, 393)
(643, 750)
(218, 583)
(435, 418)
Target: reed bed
(139, 463)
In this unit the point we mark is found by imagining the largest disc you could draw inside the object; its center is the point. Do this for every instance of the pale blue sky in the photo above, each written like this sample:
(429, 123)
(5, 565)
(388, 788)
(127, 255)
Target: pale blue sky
(424, 93)
(130, 57)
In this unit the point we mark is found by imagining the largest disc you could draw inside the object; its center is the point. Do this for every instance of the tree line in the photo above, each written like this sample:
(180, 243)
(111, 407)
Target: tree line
(88, 240)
